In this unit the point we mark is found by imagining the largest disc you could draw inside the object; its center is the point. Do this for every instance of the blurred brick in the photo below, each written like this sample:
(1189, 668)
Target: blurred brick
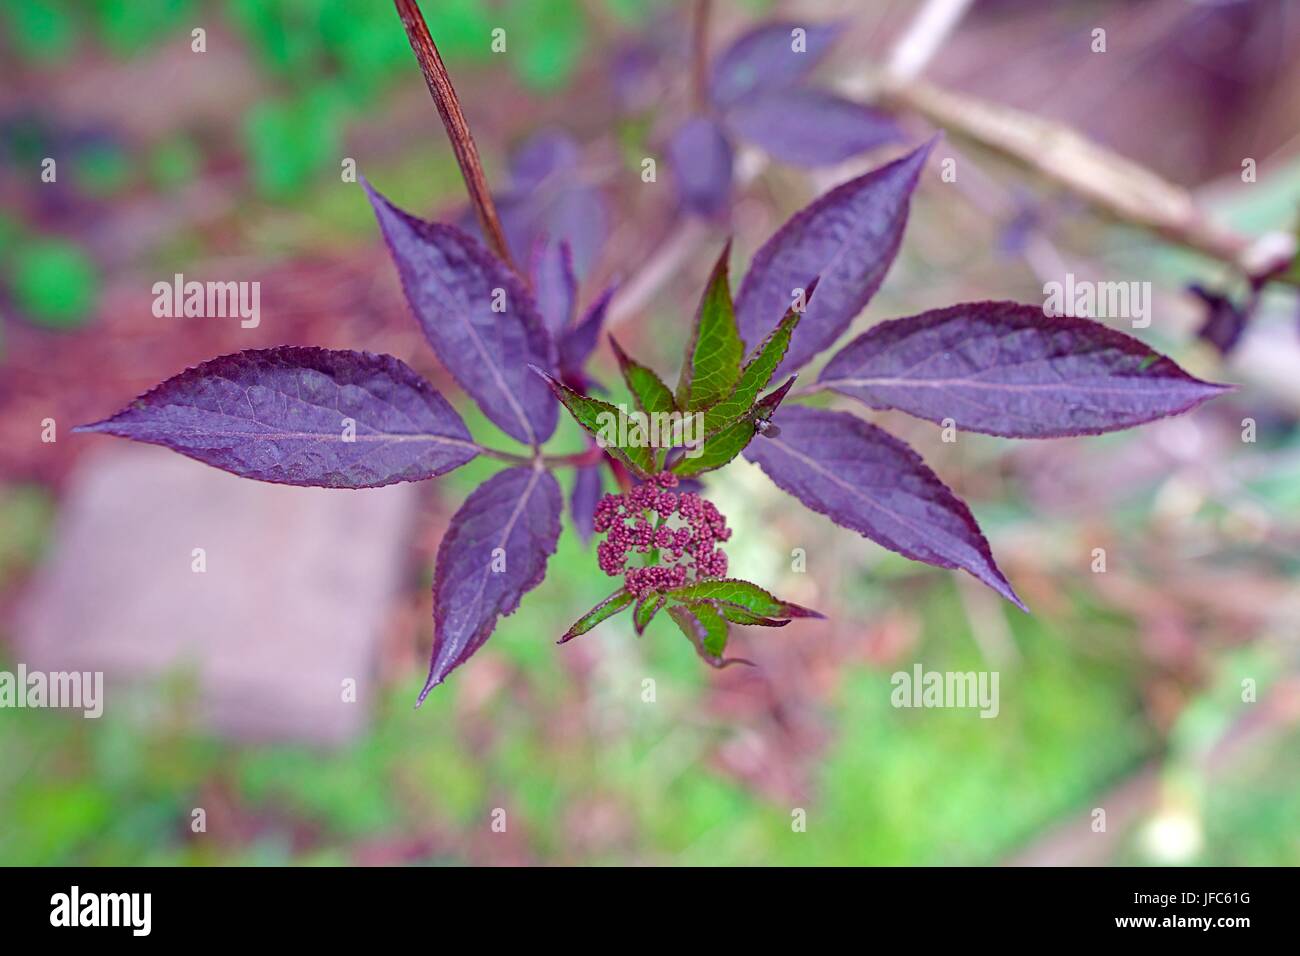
(298, 587)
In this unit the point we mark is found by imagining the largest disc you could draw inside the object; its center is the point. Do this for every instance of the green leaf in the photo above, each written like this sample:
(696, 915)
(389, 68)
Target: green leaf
(723, 446)
(646, 609)
(41, 29)
(652, 396)
(705, 628)
(756, 374)
(745, 595)
(599, 418)
(712, 364)
(716, 451)
(602, 611)
(647, 388)
(739, 615)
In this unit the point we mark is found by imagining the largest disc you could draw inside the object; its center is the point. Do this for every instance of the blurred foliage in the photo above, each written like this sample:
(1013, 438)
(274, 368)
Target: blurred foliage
(53, 282)
(896, 786)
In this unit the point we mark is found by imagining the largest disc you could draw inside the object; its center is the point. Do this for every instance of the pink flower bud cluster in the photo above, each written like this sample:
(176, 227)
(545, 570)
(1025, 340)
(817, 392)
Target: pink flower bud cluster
(687, 548)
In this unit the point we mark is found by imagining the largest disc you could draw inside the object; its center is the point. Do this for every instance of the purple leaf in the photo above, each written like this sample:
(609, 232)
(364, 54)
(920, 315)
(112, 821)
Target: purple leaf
(579, 341)
(1008, 369)
(543, 154)
(556, 286)
(494, 552)
(867, 480)
(631, 73)
(810, 127)
(548, 198)
(771, 56)
(571, 210)
(701, 161)
(587, 489)
(302, 416)
(849, 238)
(1224, 322)
(480, 319)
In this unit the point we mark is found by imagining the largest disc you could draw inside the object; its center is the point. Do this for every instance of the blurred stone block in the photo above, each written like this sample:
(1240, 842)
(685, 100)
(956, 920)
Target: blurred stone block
(298, 585)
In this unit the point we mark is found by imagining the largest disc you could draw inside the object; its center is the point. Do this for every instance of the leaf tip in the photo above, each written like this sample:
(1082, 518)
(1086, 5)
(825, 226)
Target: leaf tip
(798, 610)
(619, 354)
(429, 685)
(545, 376)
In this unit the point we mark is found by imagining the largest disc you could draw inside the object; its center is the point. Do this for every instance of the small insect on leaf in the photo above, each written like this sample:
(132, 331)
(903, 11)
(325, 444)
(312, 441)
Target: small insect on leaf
(723, 446)
(758, 371)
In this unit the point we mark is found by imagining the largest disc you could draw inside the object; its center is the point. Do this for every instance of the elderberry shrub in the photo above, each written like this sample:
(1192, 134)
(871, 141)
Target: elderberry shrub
(343, 419)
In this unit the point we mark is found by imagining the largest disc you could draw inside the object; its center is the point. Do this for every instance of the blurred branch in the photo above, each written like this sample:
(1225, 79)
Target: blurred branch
(700, 55)
(453, 119)
(923, 38)
(635, 294)
(1126, 189)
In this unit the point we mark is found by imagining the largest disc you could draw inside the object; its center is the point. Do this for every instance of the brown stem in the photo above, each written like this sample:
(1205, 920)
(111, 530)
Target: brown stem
(700, 58)
(462, 141)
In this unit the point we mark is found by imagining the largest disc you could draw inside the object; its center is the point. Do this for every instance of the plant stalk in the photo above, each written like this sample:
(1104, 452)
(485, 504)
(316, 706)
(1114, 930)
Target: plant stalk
(700, 55)
(453, 119)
